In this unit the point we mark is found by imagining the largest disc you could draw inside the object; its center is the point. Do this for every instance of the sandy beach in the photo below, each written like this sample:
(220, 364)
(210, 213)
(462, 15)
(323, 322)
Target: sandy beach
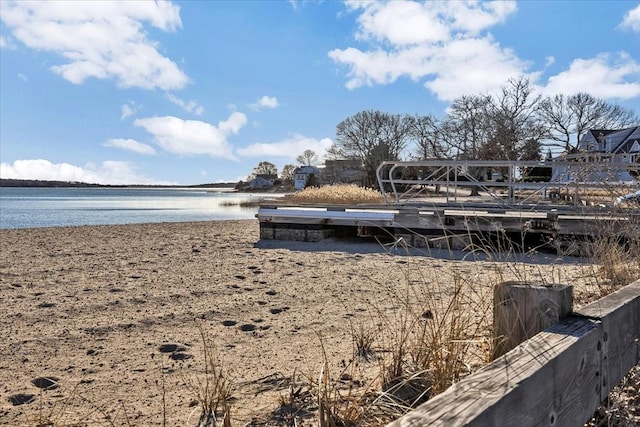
(115, 314)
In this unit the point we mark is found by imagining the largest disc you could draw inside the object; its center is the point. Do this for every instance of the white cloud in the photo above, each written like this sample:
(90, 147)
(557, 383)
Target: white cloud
(130, 145)
(189, 106)
(109, 172)
(491, 65)
(447, 47)
(432, 40)
(7, 42)
(631, 19)
(265, 102)
(401, 23)
(605, 76)
(291, 147)
(129, 109)
(23, 77)
(447, 68)
(380, 66)
(472, 16)
(549, 61)
(409, 22)
(104, 40)
(193, 137)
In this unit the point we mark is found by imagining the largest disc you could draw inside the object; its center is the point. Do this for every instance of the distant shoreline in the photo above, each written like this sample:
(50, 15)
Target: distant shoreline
(24, 183)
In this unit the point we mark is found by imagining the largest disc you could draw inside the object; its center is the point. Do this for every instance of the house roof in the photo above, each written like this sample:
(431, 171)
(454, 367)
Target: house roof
(307, 169)
(611, 140)
(631, 144)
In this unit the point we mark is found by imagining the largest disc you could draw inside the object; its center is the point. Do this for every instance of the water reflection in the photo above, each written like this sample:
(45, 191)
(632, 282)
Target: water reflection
(50, 207)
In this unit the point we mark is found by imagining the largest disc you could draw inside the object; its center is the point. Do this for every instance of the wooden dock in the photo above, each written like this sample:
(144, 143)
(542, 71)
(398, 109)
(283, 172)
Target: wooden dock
(449, 225)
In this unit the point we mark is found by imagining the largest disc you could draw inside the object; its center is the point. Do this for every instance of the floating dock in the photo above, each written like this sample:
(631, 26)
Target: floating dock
(449, 226)
(430, 204)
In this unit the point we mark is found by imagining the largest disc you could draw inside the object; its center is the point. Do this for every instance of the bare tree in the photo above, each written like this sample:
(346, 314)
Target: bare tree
(307, 158)
(263, 168)
(497, 127)
(428, 137)
(493, 127)
(465, 128)
(373, 137)
(334, 152)
(513, 119)
(288, 172)
(557, 118)
(568, 118)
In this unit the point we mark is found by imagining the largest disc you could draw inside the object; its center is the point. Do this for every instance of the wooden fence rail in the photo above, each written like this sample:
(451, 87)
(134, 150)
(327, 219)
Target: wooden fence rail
(557, 378)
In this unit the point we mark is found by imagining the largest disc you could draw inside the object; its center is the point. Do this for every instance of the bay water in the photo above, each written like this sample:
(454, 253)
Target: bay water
(28, 207)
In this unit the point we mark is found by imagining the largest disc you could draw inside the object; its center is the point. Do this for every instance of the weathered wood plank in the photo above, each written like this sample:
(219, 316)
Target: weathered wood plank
(549, 380)
(619, 313)
(556, 378)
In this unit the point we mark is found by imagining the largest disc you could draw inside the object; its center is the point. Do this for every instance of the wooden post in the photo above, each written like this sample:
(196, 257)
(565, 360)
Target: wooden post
(521, 310)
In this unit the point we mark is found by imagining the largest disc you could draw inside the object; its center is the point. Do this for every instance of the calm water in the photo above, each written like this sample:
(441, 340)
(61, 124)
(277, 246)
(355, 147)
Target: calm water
(54, 207)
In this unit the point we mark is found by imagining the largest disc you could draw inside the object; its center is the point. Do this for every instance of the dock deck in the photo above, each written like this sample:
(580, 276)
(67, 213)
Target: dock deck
(448, 225)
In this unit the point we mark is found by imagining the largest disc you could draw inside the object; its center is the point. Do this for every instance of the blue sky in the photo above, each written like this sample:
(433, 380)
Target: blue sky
(189, 92)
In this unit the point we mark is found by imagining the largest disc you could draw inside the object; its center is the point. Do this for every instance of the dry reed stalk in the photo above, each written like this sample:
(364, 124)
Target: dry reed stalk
(614, 256)
(363, 337)
(212, 389)
(334, 408)
(431, 338)
(76, 408)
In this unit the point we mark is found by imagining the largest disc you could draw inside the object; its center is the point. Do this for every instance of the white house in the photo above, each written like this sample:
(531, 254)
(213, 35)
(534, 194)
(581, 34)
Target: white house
(609, 150)
(262, 181)
(620, 145)
(303, 174)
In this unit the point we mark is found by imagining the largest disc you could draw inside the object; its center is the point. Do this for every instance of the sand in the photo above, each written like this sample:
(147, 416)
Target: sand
(115, 314)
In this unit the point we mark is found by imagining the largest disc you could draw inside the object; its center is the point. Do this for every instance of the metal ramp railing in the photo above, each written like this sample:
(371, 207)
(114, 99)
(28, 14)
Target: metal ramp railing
(508, 183)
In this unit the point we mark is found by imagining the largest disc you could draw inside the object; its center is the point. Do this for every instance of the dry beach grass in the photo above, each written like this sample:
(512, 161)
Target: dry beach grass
(339, 194)
(136, 323)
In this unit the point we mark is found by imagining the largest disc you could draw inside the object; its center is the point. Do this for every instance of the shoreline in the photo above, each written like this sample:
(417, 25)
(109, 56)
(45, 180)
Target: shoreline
(94, 305)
